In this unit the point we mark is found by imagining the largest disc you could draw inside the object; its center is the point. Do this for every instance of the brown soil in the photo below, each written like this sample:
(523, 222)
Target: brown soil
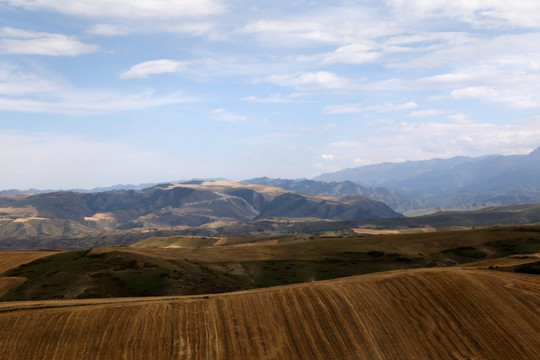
(446, 313)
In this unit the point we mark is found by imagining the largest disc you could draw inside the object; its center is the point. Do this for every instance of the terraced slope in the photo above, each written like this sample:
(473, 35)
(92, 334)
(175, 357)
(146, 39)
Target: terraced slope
(449, 313)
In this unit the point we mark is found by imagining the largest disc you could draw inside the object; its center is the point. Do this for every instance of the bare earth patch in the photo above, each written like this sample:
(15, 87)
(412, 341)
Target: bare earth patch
(22, 220)
(101, 217)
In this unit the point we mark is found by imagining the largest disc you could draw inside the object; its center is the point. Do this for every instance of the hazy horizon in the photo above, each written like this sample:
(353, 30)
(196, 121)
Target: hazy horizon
(98, 93)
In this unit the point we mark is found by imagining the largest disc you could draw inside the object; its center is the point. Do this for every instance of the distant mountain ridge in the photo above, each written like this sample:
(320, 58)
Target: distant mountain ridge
(398, 202)
(118, 187)
(457, 182)
(172, 205)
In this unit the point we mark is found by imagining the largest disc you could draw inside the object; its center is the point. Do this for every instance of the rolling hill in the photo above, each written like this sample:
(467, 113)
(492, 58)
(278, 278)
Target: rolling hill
(450, 313)
(188, 265)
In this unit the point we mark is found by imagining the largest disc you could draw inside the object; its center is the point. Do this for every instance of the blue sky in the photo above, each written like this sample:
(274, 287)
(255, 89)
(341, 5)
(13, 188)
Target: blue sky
(101, 92)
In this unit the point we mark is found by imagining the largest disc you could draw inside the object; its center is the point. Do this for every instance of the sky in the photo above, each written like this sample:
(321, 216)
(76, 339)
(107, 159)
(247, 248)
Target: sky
(103, 92)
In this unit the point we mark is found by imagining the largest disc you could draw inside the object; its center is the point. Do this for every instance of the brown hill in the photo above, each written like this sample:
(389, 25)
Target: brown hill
(450, 313)
(175, 206)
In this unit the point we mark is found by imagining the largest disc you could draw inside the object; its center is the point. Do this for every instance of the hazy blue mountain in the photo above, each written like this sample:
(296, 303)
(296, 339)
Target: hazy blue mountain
(118, 187)
(455, 182)
(398, 202)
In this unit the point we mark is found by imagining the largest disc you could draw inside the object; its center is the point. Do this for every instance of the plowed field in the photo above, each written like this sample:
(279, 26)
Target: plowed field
(444, 313)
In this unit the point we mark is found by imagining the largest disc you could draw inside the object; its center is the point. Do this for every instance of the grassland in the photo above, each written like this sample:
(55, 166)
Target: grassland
(438, 313)
(187, 265)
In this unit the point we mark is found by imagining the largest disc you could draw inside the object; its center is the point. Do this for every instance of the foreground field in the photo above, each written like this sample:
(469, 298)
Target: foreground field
(439, 313)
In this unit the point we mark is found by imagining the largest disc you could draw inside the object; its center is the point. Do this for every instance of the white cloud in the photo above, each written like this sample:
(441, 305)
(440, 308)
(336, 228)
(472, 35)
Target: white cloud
(14, 82)
(309, 81)
(512, 87)
(86, 103)
(125, 9)
(459, 118)
(28, 92)
(110, 30)
(420, 141)
(353, 54)
(347, 54)
(291, 30)
(343, 109)
(327, 156)
(193, 28)
(480, 13)
(423, 113)
(154, 67)
(275, 98)
(19, 41)
(226, 116)
(331, 25)
(357, 108)
(510, 51)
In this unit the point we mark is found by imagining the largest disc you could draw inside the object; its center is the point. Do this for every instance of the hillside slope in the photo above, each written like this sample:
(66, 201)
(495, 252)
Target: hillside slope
(449, 313)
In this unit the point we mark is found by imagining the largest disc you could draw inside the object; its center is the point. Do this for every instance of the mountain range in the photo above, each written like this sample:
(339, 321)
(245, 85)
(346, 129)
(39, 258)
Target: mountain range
(398, 202)
(172, 205)
(459, 182)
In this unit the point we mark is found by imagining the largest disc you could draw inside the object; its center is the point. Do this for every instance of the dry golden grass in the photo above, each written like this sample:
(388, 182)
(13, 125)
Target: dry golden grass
(369, 231)
(8, 283)
(101, 217)
(14, 258)
(448, 313)
(223, 185)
